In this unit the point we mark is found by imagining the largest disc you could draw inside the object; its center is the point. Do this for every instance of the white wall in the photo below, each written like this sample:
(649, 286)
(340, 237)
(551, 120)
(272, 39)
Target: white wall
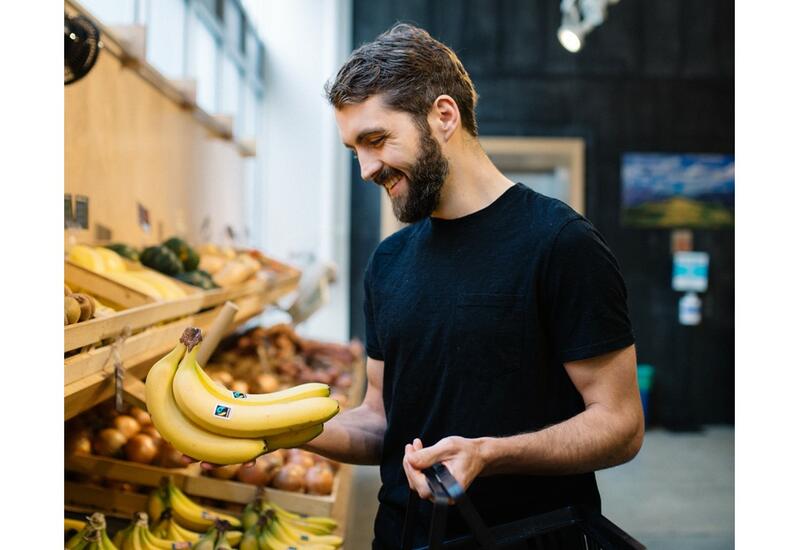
(304, 204)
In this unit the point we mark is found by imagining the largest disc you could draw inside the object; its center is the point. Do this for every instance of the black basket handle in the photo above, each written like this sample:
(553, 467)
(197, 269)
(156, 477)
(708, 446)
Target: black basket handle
(446, 490)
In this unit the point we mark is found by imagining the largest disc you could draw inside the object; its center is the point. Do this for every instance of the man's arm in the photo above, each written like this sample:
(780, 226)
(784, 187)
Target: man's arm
(356, 436)
(608, 432)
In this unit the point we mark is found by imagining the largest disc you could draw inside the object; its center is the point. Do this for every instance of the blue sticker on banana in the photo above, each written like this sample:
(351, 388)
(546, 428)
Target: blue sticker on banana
(239, 395)
(222, 411)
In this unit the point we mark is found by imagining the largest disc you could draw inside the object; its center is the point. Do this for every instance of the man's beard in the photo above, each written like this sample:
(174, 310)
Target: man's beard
(424, 181)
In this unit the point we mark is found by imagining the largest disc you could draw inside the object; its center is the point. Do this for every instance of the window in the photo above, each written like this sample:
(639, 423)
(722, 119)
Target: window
(112, 12)
(204, 53)
(165, 37)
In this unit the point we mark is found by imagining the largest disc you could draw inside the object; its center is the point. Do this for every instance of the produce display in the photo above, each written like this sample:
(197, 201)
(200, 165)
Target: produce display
(208, 422)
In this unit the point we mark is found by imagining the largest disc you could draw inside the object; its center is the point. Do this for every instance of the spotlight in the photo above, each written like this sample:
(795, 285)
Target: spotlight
(578, 18)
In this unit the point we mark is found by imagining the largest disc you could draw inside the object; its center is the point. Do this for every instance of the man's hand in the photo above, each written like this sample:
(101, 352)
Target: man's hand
(460, 455)
(207, 466)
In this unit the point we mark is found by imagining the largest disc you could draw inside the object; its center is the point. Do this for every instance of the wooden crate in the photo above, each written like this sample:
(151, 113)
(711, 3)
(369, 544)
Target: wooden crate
(192, 483)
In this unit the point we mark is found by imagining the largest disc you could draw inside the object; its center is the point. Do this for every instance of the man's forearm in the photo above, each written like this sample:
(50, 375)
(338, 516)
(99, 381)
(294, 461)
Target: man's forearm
(592, 440)
(354, 437)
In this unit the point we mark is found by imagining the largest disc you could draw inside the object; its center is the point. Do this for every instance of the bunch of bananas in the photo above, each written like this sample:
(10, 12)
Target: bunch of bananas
(206, 421)
(181, 509)
(91, 536)
(137, 536)
(270, 527)
(109, 263)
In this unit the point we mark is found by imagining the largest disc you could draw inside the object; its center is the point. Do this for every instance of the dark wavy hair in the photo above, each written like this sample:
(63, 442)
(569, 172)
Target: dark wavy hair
(410, 69)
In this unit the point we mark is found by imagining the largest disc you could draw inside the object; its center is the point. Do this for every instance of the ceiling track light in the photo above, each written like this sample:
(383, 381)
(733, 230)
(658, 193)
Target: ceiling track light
(578, 18)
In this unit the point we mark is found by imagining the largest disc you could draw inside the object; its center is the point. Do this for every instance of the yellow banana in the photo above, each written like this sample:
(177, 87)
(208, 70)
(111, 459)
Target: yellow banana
(112, 262)
(319, 524)
(176, 532)
(174, 427)
(75, 524)
(295, 438)
(234, 420)
(192, 515)
(309, 389)
(168, 288)
(267, 541)
(128, 279)
(86, 256)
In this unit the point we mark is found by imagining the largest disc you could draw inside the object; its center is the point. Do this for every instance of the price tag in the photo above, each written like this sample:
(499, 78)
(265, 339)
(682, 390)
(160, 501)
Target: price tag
(144, 217)
(82, 211)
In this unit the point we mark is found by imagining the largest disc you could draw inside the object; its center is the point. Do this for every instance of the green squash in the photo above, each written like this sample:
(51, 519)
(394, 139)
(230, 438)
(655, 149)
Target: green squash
(198, 278)
(124, 250)
(161, 259)
(186, 254)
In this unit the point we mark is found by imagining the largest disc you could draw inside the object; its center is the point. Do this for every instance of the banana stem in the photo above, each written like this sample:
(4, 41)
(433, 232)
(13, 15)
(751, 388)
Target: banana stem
(191, 337)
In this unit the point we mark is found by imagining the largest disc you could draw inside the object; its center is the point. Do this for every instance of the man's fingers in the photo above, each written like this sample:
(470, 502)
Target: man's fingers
(417, 444)
(188, 460)
(416, 480)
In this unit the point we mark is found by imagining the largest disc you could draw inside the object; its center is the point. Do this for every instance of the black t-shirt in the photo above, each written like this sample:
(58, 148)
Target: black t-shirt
(473, 319)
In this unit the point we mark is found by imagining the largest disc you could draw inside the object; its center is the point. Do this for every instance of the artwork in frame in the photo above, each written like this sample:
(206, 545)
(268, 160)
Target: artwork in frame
(677, 190)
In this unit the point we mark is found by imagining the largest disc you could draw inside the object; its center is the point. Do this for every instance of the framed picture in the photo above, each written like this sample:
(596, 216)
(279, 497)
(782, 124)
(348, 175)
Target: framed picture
(677, 190)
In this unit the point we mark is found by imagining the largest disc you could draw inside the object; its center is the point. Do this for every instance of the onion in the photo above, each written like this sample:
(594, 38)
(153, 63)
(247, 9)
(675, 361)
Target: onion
(168, 456)
(301, 457)
(153, 432)
(79, 442)
(254, 474)
(223, 377)
(141, 416)
(108, 442)
(141, 448)
(225, 472)
(332, 464)
(267, 383)
(290, 478)
(127, 425)
(319, 479)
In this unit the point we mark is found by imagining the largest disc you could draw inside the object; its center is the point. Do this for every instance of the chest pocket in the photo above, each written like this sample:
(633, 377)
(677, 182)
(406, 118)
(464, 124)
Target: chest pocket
(489, 332)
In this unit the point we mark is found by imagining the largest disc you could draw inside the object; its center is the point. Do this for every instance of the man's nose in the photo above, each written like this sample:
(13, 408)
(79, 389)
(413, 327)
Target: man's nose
(370, 166)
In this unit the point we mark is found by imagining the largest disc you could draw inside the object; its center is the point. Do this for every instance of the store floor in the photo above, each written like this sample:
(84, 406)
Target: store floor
(677, 494)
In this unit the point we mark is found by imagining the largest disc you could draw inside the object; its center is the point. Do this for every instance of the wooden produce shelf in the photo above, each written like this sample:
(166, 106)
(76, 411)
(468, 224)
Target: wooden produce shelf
(192, 483)
(88, 376)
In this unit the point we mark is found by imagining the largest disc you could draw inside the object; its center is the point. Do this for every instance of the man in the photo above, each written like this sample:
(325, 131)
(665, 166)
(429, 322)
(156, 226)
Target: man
(498, 337)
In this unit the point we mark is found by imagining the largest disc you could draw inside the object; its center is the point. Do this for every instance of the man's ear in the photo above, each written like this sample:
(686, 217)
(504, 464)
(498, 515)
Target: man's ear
(444, 118)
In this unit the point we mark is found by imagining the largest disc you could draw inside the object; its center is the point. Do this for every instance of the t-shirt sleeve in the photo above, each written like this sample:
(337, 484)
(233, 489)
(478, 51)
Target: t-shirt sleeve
(373, 346)
(584, 295)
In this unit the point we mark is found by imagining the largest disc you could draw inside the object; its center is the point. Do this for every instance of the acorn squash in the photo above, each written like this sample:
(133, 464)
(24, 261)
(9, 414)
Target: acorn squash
(161, 259)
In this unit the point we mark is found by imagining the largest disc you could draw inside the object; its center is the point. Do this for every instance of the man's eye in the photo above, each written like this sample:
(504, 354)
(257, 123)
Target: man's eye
(376, 142)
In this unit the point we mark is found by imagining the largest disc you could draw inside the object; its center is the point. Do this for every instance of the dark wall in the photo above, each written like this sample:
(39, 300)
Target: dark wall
(657, 76)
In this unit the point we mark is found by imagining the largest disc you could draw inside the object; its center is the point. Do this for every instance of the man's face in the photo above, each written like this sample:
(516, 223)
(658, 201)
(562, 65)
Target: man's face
(395, 153)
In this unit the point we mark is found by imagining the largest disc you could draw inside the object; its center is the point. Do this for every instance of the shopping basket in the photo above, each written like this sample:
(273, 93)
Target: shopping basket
(600, 533)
